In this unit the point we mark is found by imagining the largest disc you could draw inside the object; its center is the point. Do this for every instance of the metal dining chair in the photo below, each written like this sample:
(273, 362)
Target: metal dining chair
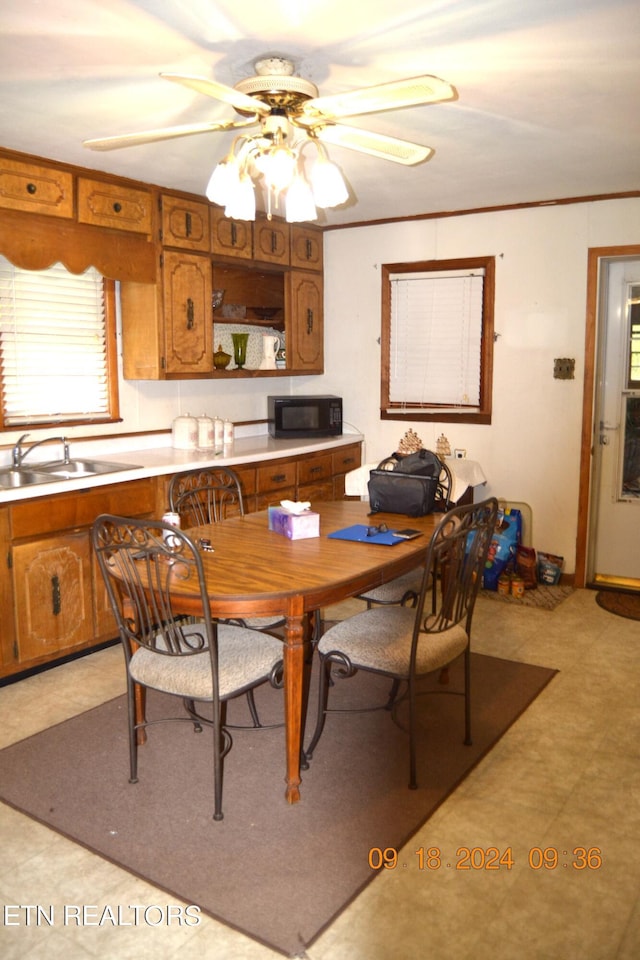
(144, 563)
(207, 496)
(405, 643)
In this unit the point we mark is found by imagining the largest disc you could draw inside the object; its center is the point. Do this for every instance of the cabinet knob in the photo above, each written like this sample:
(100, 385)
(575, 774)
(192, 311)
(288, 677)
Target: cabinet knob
(117, 207)
(31, 188)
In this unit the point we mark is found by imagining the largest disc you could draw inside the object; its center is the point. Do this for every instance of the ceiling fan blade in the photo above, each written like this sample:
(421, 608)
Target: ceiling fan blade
(220, 91)
(164, 133)
(385, 96)
(375, 144)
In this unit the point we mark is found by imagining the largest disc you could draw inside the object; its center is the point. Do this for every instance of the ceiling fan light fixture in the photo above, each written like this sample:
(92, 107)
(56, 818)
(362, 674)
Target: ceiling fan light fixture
(241, 201)
(223, 180)
(277, 165)
(299, 202)
(327, 182)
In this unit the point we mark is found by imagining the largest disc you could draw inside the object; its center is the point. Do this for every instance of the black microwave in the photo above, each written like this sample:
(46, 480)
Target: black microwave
(310, 416)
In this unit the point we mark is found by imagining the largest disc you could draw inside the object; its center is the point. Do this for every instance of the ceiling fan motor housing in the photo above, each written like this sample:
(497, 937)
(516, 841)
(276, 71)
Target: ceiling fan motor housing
(276, 86)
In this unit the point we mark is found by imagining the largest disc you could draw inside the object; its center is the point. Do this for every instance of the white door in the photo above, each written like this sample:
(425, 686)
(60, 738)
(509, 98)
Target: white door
(615, 521)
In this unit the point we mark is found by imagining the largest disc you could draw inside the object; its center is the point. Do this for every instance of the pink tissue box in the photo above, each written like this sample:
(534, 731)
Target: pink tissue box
(295, 526)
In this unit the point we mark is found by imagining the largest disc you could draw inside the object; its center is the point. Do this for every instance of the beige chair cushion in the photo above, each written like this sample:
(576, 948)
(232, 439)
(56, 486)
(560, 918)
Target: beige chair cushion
(380, 639)
(244, 657)
(394, 590)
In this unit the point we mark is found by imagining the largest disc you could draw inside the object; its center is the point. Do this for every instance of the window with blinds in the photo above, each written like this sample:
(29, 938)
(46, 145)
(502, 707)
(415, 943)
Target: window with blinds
(55, 362)
(437, 338)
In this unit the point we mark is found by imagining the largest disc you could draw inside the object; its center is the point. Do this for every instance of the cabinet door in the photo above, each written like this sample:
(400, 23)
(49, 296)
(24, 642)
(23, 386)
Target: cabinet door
(187, 288)
(53, 595)
(185, 223)
(230, 238)
(271, 241)
(306, 248)
(304, 320)
(115, 206)
(35, 189)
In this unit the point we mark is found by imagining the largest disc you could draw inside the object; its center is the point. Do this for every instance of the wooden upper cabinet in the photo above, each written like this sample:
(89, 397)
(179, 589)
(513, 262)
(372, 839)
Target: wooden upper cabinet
(230, 238)
(306, 248)
(271, 241)
(35, 189)
(115, 206)
(185, 223)
(304, 322)
(188, 313)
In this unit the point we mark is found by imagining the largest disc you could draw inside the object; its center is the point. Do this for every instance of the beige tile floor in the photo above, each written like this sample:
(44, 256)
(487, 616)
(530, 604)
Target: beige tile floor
(565, 776)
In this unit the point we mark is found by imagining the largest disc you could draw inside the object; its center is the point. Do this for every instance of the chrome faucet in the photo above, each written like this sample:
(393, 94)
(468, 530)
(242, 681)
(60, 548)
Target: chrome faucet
(19, 454)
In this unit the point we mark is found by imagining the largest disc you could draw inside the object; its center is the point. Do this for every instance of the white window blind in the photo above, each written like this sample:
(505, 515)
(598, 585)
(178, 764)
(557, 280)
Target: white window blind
(436, 339)
(53, 351)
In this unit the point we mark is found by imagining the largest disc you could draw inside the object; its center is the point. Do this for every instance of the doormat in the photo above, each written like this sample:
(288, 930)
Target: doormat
(543, 597)
(622, 604)
(277, 873)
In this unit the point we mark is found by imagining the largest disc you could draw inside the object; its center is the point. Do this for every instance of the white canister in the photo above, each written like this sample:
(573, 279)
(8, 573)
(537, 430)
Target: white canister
(206, 435)
(227, 436)
(218, 432)
(184, 433)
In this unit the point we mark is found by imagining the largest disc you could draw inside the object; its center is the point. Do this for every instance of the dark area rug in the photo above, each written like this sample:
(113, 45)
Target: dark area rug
(278, 873)
(620, 603)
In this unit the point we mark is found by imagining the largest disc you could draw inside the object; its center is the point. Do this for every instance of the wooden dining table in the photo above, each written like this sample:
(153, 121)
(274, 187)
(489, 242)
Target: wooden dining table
(256, 572)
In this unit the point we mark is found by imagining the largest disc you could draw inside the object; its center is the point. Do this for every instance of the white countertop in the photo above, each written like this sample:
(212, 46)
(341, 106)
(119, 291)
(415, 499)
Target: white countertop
(153, 456)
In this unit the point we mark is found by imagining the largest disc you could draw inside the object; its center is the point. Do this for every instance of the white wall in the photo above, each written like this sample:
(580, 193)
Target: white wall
(531, 450)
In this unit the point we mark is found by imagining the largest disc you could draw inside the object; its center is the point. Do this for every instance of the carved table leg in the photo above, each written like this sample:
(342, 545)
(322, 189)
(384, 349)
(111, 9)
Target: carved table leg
(294, 670)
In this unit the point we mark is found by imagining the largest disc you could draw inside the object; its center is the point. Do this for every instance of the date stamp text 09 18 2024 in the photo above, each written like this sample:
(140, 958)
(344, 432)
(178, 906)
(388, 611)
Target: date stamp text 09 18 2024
(488, 858)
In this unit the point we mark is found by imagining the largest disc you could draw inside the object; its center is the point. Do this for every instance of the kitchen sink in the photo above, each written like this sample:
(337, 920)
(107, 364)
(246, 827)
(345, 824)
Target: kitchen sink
(14, 478)
(83, 468)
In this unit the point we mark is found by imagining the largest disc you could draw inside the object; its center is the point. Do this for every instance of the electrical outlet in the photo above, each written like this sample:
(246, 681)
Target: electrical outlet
(564, 369)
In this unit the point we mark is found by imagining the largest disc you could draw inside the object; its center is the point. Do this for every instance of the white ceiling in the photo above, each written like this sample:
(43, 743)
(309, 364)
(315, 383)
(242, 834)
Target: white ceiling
(548, 90)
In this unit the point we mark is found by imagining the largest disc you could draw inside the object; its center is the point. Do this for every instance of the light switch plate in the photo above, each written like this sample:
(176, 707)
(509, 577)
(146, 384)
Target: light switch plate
(564, 369)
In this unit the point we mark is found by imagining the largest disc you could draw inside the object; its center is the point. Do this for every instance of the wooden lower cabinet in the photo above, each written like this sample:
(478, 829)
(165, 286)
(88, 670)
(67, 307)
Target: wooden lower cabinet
(53, 599)
(275, 481)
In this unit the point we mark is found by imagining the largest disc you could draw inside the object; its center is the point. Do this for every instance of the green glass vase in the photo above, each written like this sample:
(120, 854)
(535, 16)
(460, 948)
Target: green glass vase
(240, 349)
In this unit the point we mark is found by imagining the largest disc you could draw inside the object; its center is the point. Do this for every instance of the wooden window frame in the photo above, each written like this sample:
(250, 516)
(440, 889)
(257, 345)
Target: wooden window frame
(435, 412)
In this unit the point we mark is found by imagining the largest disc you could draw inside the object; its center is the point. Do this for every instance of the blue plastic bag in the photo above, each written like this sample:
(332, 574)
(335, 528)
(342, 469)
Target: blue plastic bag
(502, 550)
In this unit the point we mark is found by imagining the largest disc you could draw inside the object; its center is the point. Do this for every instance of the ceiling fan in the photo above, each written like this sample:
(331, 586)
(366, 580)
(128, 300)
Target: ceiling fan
(275, 93)
(281, 104)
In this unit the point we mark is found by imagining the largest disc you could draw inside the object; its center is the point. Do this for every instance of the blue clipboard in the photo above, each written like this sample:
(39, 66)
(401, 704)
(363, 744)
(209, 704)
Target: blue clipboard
(358, 532)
